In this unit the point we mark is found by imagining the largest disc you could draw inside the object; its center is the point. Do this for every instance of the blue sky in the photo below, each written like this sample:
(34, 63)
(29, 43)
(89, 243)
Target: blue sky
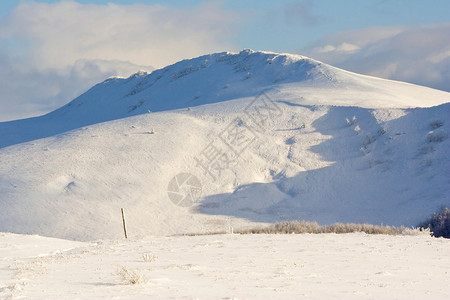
(51, 51)
(289, 25)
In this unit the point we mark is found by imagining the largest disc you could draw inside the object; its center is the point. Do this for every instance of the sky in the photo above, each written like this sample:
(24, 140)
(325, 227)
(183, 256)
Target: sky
(52, 51)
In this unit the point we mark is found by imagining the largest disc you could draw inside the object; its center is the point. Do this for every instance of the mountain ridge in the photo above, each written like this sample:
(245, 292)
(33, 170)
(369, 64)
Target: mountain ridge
(347, 149)
(215, 78)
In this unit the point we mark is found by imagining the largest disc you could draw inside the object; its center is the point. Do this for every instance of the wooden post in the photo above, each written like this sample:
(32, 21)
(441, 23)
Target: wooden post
(124, 226)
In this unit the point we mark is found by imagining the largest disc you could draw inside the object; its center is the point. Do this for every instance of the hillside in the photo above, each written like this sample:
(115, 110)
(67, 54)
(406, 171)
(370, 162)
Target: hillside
(288, 138)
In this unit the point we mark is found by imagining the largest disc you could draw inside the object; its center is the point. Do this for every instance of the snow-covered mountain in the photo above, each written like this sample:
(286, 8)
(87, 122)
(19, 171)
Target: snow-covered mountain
(248, 137)
(222, 77)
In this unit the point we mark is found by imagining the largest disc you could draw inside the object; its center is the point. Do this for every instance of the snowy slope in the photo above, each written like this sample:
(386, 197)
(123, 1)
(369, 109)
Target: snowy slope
(336, 146)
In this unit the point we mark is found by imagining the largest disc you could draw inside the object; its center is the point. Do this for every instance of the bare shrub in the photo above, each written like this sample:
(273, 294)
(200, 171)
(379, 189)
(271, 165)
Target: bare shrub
(350, 122)
(439, 223)
(436, 124)
(417, 231)
(130, 276)
(312, 227)
(369, 139)
(149, 257)
(436, 136)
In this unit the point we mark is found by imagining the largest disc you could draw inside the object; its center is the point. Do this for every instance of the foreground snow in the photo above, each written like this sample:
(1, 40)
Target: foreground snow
(350, 266)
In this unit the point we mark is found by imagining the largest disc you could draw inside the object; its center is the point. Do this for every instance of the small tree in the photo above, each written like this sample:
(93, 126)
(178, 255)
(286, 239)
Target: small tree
(439, 223)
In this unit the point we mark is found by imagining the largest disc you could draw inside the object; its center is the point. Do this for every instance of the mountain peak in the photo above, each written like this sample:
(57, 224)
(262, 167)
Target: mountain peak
(206, 79)
(225, 76)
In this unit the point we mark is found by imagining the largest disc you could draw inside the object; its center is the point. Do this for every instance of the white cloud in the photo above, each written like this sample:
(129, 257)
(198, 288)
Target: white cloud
(52, 52)
(343, 47)
(346, 47)
(419, 55)
(325, 49)
(438, 57)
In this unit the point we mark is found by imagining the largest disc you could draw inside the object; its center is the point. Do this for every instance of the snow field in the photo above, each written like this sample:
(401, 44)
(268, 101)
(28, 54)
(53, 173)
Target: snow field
(306, 266)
